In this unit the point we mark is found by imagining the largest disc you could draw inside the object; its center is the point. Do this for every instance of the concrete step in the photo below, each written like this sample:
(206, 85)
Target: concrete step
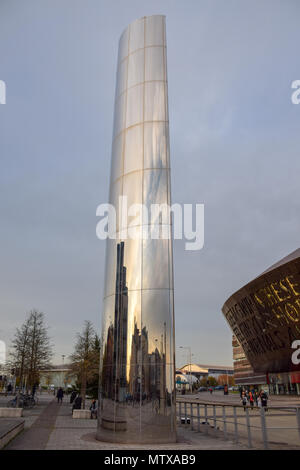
(11, 412)
(9, 428)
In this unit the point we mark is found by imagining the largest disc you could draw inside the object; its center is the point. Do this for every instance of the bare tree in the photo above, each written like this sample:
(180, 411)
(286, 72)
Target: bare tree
(40, 348)
(31, 350)
(85, 359)
(20, 353)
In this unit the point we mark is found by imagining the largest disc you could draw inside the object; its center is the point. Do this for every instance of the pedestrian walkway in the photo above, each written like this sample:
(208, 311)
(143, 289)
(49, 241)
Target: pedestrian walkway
(37, 436)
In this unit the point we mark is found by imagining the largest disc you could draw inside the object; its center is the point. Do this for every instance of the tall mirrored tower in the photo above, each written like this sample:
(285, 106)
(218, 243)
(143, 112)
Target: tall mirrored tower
(137, 390)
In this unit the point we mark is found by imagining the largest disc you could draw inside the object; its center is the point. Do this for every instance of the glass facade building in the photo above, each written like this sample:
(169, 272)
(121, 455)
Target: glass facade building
(137, 371)
(264, 316)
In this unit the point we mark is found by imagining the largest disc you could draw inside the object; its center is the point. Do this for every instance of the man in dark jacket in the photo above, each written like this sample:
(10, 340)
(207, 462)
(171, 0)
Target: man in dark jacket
(264, 400)
(73, 396)
(77, 403)
(59, 395)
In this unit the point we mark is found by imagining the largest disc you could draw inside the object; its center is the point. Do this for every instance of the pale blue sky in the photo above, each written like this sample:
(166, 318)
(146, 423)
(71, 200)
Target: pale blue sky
(234, 147)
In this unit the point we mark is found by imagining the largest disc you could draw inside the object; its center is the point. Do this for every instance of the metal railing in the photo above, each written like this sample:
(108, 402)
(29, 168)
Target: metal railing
(239, 422)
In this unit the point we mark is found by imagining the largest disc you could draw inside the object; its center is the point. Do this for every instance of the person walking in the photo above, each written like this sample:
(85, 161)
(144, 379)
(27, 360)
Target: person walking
(73, 396)
(59, 395)
(264, 400)
(244, 400)
(258, 401)
(251, 399)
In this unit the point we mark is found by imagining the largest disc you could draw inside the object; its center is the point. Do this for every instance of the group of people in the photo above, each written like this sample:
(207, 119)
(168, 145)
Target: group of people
(260, 399)
(138, 398)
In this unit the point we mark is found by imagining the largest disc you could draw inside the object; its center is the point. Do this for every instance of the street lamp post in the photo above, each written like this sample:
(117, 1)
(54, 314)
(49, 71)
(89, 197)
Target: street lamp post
(62, 375)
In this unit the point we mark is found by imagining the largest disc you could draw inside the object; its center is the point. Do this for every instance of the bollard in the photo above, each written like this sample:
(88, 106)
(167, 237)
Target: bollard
(180, 414)
(215, 419)
(224, 423)
(198, 416)
(264, 428)
(185, 415)
(248, 428)
(206, 423)
(235, 425)
(191, 419)
(298, 419)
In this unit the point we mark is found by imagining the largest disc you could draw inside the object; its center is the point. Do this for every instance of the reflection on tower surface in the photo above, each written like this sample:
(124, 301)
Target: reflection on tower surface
(137, 392)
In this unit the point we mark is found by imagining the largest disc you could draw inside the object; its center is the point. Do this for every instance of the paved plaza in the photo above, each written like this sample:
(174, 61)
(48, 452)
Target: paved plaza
(50, 426)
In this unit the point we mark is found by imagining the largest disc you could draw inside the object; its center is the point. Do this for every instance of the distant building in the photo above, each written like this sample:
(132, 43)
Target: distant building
(203, 370)
(184, 381)
(264, 316)
(243, 373)
(5, 377)
(57, 376)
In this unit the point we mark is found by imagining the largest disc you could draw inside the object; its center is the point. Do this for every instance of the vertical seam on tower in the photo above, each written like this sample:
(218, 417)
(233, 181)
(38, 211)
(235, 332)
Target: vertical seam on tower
(167, 144)
(170, 247)
(120, 218)
(142, 226)
(125, 132)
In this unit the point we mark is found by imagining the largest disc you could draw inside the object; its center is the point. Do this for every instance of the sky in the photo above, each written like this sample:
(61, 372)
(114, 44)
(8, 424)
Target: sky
(234, 137)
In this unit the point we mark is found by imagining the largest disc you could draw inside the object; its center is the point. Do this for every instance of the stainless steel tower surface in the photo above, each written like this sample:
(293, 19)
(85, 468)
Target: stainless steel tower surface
(137, 389)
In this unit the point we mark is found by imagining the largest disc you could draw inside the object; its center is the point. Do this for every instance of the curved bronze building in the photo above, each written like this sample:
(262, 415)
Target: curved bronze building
(137, 397)
(264, 316)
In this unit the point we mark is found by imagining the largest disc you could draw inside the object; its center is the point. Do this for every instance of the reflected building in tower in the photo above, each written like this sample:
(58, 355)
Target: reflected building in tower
(137, 393)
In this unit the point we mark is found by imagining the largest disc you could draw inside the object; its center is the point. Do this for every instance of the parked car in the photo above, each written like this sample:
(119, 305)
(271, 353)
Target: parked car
(202, 389)
(219, 387)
